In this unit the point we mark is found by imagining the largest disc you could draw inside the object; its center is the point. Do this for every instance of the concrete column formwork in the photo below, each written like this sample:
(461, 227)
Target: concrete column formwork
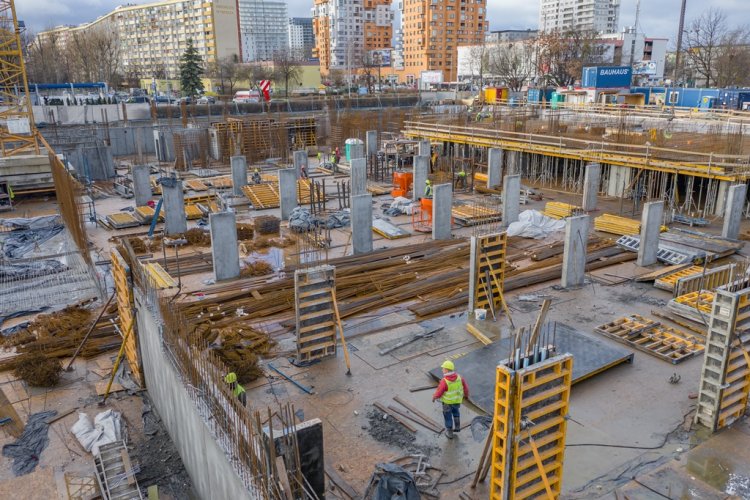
(736, 200)
(591, 181)
(651, 219)
(442, 204)
(371, 139)
(358, 176)
(224, 249)
(239, 174)
(511, 199)
(300, 160)
(574, 251)
(287, 191)
(494, 167)
(362, 223)
(421, 168)
(141, 184)
(175, 220)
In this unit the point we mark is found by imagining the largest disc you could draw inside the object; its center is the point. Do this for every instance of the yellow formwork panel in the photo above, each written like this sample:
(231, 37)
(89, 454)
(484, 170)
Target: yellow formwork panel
(697, 300)
(159, 276)
(124, 296)
(528, 445)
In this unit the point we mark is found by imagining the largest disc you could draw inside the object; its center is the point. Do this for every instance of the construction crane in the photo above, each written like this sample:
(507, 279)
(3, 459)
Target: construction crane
(18, 135)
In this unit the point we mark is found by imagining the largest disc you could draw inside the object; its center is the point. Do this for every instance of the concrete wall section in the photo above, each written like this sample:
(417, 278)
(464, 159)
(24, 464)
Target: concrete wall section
(358, 175)
(421, 168)
(736, 201)
(423, 148)
(300, 161)
(211, 472)
(371, 140)
(442, 203)
(494, 167)
(287, 191)
(175, 220)
(142, 184)
(619, 180)
(653, 215)
(574, 252)
(224, 250)
(511, 198)
(362, 223)
(591, 181)
(239, 174)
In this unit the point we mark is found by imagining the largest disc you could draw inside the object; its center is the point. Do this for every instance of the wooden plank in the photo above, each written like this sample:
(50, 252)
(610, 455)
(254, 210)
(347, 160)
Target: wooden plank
(416, 412)
(395, 416)
(654, 275)
(342, 485)
(414, 419)
(477, 334)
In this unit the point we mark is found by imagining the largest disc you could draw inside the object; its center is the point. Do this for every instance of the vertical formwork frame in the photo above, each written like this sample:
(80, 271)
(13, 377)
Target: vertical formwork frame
(487, 271)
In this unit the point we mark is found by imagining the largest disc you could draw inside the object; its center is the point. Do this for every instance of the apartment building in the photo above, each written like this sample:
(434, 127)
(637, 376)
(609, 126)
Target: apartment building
(264, 29)
(301, 37)
(153, 36)
(600, 16)
(433, 30)
(348, 31)
(502, 36)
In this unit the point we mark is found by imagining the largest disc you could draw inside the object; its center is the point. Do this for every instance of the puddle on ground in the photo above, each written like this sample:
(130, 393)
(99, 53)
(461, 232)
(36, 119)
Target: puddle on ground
(713, 468)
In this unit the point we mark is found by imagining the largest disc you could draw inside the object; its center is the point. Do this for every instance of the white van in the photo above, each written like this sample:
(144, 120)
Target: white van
(245, 96)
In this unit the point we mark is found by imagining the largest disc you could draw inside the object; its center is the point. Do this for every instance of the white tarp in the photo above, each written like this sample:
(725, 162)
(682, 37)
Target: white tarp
(536, 225)
(105, 429)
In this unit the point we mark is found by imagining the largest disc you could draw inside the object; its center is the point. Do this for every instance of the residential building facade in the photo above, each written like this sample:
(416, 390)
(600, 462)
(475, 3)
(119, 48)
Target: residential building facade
(348, 31)
(433, 30)
(154, 36)
(510, 35)
(264, 29)
(301, 37)
(600, 16)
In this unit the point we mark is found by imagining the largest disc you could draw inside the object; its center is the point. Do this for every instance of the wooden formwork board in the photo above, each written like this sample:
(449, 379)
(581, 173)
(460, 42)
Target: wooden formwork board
(467, 215)
(124, 294)
(668, 282)
(193, 212)
(487, 272)
(651, 337)
(725, 375)
(528, 444)
(122, 220)
(314, 311)
(221, 182)
(196, 185)
(262, 196)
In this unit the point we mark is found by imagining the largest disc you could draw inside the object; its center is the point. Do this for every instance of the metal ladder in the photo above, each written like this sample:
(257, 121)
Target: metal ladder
(633, 243)
(115, 474)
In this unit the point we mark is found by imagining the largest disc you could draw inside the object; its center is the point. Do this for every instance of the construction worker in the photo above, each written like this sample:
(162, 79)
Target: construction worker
(256, 176)
(427, 189)
(239, 391)
(451, 392)
(337, 155)
(461, 179)
(319, 157)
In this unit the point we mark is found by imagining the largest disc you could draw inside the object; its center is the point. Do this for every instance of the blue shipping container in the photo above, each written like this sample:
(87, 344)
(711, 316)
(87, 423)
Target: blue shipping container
(607, 77)
(690, 98)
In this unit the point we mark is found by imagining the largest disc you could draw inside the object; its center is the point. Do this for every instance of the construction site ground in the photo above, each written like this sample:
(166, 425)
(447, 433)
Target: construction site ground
(630, 429)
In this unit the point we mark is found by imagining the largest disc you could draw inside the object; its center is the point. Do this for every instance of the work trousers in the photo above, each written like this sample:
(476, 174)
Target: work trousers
(451, 414)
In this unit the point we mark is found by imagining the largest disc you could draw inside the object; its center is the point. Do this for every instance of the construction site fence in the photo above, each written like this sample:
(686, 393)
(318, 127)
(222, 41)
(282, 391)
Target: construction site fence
(239, 431)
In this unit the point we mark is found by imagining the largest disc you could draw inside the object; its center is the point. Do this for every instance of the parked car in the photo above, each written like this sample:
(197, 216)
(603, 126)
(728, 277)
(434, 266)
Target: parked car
(164, 98)
(138, 99)
(206, 99)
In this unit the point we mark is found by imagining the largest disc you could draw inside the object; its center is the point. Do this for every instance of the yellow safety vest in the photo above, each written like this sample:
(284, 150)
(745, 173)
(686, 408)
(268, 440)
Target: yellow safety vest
(428, 191)
(238, 389)
(455, 393)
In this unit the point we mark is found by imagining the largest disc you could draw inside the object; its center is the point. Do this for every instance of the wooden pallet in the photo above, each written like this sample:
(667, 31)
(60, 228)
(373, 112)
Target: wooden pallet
(196, 185)
(669, 281)
(262, 196)
(315, 318)
(145, 213)
(222, 182)
(558, 210)
(121, 220)
(192, 212)
(651, 337)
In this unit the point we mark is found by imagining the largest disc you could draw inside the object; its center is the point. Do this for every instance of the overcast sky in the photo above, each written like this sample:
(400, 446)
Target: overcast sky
(658, 18)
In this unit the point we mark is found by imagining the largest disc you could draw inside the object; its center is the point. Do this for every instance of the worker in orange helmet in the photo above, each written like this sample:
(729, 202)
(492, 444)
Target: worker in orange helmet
(451, 392)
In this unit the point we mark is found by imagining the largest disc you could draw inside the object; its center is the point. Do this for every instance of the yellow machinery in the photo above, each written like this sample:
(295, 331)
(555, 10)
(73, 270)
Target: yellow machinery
(17, 130)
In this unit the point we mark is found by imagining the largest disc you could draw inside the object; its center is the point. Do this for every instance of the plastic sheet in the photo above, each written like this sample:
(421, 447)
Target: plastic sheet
(300, 220)
(26, 451)
(33, 269)
(536, 225)
(391, 482)
(21, 242)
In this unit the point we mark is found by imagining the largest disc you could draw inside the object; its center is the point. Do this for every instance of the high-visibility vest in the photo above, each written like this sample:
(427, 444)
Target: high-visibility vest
(455, 393)
(427, 191)
(462, 174)
(238, 389)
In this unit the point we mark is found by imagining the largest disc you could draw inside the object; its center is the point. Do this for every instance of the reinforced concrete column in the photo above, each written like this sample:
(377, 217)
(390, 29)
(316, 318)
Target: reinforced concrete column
(721, 198)
(300, 160)
(224, 250)
(239, 174)
(175, 220)
(358, 176)
(591, 180)
(141, 184)
(574, 251)
(511, 199)
(494, 167)
(362, 223)
(287, 191)
(442, 204)
(372, 142)
(651, 219)
(424, 148)
(421, 168)
(734, 210)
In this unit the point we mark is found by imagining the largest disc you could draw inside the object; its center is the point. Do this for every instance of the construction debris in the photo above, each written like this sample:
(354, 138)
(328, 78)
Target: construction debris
(38, 370)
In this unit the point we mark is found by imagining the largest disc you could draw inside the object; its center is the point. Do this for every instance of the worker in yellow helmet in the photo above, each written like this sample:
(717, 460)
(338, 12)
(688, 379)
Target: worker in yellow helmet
(239, 391)
(256, 176)
(451, 392)
(427, 188)
(461, 178)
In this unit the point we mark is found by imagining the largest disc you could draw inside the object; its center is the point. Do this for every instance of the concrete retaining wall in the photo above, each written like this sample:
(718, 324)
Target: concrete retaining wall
(205, 461)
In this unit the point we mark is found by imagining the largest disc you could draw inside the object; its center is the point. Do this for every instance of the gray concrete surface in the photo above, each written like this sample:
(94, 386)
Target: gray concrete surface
(211, 472)
(356, 151)
(442, 204)
(224, 250)
(239, 174)
(591, 181)
(141, 184)
(574, 253)
(175, 220)
(651, 220)
(511, 198)
(371, 140)
(494, 167)
(421, 168)
(358, 173)
(423, 148)
(362, 223)
(300, 161)
(287, 191)
(736, 200)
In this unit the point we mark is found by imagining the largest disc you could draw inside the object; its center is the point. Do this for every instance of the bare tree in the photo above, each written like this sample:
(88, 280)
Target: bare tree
(715, 53)
(478, 62)
(46, 62)
(563, 54)
(227, 70)
(512, 62)
(286, 68)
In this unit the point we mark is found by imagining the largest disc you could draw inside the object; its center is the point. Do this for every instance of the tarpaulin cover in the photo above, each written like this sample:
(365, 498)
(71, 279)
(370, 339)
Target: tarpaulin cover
(536, 225)
(26, 451)
(300, 220)
(28, 233)
(32, 269)
(105, 429)
(391, 482)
